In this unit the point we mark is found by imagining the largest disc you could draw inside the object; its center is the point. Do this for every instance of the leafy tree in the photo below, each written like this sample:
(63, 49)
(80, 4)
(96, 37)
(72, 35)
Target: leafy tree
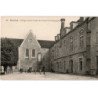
(9, 51)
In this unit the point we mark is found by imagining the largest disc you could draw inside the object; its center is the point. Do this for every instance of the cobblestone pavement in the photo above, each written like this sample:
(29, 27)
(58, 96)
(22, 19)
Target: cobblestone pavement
(47, 76)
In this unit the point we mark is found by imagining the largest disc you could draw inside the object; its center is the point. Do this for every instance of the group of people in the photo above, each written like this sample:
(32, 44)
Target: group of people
(6, 70)
(41, 70)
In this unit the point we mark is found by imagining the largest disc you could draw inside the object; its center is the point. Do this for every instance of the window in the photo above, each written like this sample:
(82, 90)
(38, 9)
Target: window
(39, 57)
(97, 37)
(80, 63)
(81, 41)
(64, 65)
(58, 65)
(60, 43)
(71, 43)
(81, 38)
(52, 54)
(97, 63)
(64, 42)
(27, 53)
(33, 52)
(29, 40)
(88, 37)
(71, 65)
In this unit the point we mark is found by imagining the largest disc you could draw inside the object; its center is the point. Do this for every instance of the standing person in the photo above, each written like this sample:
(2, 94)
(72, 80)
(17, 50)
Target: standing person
(35, 68)
(43, 70)
(40, 71)
(35, 71)
(2, 70)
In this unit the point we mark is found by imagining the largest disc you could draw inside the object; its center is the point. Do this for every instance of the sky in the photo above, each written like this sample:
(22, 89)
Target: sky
(43, 27)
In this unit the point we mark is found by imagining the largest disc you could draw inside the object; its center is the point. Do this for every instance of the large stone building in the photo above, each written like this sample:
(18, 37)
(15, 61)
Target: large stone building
(32, 53)
(76, 47)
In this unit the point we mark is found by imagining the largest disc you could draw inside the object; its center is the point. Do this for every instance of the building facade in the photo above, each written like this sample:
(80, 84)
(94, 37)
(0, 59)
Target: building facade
(75, 48)
(31, 53)
(74, 51)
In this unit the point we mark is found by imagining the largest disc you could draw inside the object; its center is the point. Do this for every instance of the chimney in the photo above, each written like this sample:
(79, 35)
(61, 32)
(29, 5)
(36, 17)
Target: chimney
(71, 25)
(62, 24)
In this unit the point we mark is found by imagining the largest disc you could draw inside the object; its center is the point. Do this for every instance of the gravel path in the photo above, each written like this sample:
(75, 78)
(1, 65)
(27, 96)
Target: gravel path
(47, 76)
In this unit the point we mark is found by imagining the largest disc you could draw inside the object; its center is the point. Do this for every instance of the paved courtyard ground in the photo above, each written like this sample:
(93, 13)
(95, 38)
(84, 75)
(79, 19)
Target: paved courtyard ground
(47, 76)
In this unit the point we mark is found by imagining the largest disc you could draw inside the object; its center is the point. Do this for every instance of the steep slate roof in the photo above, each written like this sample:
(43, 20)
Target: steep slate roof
(46, 43)
(43, 43)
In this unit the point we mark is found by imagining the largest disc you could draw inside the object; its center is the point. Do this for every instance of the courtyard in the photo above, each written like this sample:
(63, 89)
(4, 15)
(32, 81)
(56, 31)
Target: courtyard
(47, 76)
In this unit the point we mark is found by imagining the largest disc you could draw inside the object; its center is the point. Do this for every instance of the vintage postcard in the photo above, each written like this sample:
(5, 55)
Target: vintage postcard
(49, 48)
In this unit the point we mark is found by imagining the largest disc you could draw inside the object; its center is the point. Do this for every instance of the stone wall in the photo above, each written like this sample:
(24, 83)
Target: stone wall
(93, 27)
(61, 53)
(26, 62)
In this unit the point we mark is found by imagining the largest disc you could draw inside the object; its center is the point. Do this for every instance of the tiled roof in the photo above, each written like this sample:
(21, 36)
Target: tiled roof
(46, 43)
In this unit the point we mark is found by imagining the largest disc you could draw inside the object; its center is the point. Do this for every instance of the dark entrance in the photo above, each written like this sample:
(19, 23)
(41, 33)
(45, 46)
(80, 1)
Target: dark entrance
(71, 66)
(97, 63)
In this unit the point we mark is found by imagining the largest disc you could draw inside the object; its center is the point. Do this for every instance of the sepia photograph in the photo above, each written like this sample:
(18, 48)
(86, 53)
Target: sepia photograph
(49, 48)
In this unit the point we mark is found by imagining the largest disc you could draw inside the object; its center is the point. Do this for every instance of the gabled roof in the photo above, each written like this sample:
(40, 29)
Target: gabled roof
(18, 42)
(46, 43)
(31, 36)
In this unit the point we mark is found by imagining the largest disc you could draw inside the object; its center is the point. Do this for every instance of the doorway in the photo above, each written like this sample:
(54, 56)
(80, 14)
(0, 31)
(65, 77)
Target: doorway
(71, 66)
(97, 63)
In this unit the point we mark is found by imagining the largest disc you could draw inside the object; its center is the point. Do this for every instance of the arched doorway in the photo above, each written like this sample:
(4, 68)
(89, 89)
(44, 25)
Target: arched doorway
(39, 57)
(39, 61)
(71, 66)
(97, 63)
